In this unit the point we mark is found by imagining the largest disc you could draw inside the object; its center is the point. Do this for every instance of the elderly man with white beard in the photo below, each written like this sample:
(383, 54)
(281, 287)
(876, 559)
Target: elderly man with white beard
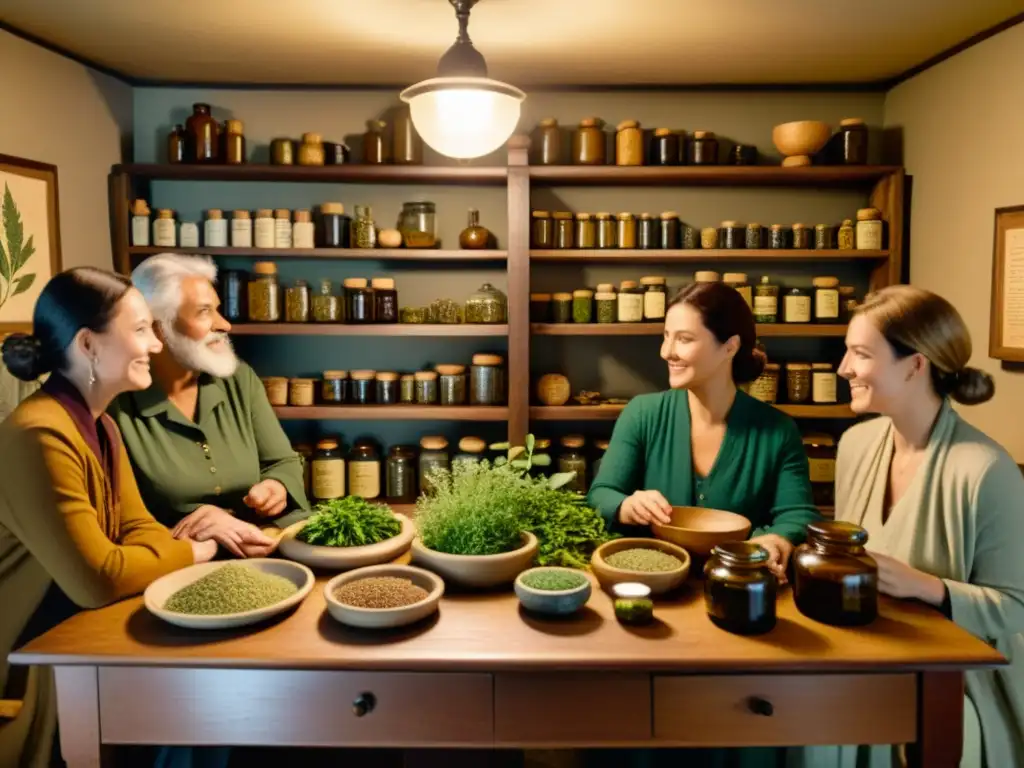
(208, 452)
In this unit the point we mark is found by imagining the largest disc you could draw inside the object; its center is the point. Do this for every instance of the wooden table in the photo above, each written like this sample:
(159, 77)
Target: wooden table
(484, 674)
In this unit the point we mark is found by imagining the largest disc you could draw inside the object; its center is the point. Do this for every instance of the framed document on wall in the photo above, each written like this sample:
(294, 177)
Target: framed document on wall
(1006, 336)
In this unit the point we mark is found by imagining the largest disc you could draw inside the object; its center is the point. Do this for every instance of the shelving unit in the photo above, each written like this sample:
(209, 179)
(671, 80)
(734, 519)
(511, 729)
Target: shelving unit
(611, 412)
(375, 254)
(397, 330)
(394, 412)
(657, 329)
(703, 256)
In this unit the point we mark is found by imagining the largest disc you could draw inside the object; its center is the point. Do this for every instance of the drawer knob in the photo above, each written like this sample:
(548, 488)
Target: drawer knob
(760, 706)
(364, 704)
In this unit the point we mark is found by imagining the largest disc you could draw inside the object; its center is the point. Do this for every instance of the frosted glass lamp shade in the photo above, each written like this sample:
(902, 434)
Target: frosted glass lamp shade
(464, 117)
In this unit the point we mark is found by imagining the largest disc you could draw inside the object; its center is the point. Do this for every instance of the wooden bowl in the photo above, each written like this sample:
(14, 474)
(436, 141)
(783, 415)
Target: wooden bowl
(385, 618)
(555, 602)
(659, 581)
(801, 139)
(700, 530)
(159, 591)
(345, 558)
(477, 570)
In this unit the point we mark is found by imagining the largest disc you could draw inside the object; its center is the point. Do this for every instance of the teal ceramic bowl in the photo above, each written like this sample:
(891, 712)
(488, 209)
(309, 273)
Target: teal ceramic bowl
(552, 602)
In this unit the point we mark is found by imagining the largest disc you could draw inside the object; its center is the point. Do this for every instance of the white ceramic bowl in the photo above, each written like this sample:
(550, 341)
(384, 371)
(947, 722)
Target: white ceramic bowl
(159, 592)
(477, 570)
(385, 618)
(345, 558)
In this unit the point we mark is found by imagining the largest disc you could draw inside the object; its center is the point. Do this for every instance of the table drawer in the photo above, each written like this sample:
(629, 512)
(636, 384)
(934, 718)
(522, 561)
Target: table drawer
(293, 708)
(782, 710)
(593, 709)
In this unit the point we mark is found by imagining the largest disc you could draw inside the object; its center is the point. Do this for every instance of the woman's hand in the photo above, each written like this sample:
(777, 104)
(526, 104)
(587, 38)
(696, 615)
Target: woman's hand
(268, 498)
(238, 537)
(779, 550)
(203, 551)
(644, 508)
(897, 579)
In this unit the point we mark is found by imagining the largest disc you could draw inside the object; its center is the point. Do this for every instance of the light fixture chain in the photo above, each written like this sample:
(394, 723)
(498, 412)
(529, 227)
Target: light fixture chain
(462, 9)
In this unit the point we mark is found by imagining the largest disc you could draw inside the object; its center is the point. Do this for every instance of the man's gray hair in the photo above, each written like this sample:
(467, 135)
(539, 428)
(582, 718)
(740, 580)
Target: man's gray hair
(159, 279)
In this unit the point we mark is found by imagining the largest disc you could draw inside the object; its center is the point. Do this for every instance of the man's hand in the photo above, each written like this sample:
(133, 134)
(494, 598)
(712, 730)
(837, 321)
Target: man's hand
(268, 498)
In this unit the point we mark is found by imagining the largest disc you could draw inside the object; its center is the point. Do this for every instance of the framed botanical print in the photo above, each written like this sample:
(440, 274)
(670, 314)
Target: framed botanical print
(1006, 334)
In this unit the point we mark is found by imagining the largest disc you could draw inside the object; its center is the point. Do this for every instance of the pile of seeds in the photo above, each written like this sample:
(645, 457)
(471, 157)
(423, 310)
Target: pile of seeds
(640, 559)
(232, 588)
(380, 592)
(553, 581)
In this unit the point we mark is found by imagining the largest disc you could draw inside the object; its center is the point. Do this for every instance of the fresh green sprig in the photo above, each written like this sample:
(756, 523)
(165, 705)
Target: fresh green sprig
(349, 522)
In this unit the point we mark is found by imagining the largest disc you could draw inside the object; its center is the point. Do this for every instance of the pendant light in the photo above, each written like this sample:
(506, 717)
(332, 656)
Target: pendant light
(462, 113)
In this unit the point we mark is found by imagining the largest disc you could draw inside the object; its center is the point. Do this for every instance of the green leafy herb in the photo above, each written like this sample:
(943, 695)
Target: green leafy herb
(553, 581)
(349, 522)
(17, 252)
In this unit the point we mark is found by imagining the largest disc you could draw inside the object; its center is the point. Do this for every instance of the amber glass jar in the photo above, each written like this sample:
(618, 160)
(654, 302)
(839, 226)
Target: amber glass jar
(385, 300)
(400, 475)
(731, 236)
(588, 143)
(629, 143)
(542, 234)
(665, 147)
(433, 456)
(548, 143)
(572, 459)
(625, 232)
(835, 579)
(668, 234)
(175, 147)
(233, 149)
(563, 230)
(359, 301)
(703, 149)
(327, 476)
(801, 237)
(766, 386)
(364, 470)
(821, 460)
(605, 230)
(586, 231)
(739, 590)
(334, 388)
(311, 150)
(202, 136)
(406, 144)
(853, 141)
(798, 382)
(374, 152)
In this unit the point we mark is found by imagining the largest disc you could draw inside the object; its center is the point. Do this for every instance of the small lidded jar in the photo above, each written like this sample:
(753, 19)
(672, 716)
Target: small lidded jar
(300, 392)
(703, 149)
(669, 230)
(826, 299)
(846, 235)
(282, 228)
(364, 470)
(731, 236)
(241, 230)
(655, 298)
(582, 306)
(821, 461)
(296, 303)
(327, 476)
(561, 308)
(387, 389)
(606, 305)
(407, 388)
(215, 229)
(326, 306)
(835, 579)
(779, 236)
(385, 299)
(362, 387)
(564, 230)
(631, 302)
(801, 237)
(488, 306)
(739, 588)
(588, 142)
(629, 143)
(433, 457)
(542, 235)
(400, 481)
(586, 231)
(824, 237)
(709, 238)
(853, 141)
(334, 388)
(471, 449)
(665, 147)
(648, 233)
(334, 228)
(359, 301)
(766, 301)
(754, 236)
(625, 232)
(451, 384)
(572, 459)
(264, 293)
(869, 229)
(540, 307)
(302, 230)
(796, 305)
(605, 230)
(487, 380)
(633, 604)
(766, 386)
(549, 144)
(823, 383)
(426, 387)
(798, 382)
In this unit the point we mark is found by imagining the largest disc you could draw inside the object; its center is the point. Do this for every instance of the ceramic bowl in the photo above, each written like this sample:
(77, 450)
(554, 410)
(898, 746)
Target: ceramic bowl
(801, 139)
(558, 603)
(385, 618)
(477, 570)
(700, 530)
(659, 581)
(345, 558)
(159, 591)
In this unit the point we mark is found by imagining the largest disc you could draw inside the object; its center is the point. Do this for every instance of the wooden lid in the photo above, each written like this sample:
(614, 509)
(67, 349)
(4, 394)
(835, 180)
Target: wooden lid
(450, 370)
(383, 283)
(271, 380)
(240, 215)
(798, 366)
(662, 132)
(408, 377)
(326, 445)
(540, 297)
(573, 441)
(734, 277)
(472, 445)
(847, 222)
(215, 213)
(606, 288)
(583, 293)
(264, 268)
(300, 380)
(165, 213)
(645, 217)
(354, 282)
(433, 443)
(778, 227)
(821, 227)
(625, 216)
(753, 225)
(703, 134)
(426, 375)
(303, 217)
(627, 124)
(548, 122)
(652, 280)
(335, 375)
(628, 285)
(483, 358)
(825, 282)
(846, 122)
(706, 276)
(604, 296)
(728, 224)
(363, 375)
(821, 366)
(233, 126)
(562, 215)
(542, 214)
(773, 367)
(601, 445)
(332, 208)
(264, 213)
(562, 297)
(312, 138)
(868, 214)
(669, 215)
(140, 208)
(582, 217)
(387, 376)
(799, 226)
(541, 444)
(602, 215)
(283, 213)
(591, 122)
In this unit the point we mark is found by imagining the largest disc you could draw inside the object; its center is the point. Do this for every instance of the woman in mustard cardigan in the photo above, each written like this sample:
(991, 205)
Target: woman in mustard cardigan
(74, 532)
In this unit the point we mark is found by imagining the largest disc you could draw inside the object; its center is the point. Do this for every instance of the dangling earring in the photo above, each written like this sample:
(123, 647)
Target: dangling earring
(92, 372)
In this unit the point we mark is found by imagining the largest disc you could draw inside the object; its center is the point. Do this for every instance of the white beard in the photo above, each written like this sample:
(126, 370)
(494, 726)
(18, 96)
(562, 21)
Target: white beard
(197, 355)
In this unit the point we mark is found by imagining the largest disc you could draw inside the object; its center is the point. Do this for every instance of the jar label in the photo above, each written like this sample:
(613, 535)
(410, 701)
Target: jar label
(216, 233)
(869, 235)
(189, 235)
(766, 305)
(241, 233)
(164, 233)
(826, 305)
(302, 234)
(328, 478)
(364, 479)
(140, 230)
(654, 305)
(283, 234)
(631, 308)
(823, 387)
(765, 388)
(822, 470)
(798, 309)
(264, 233)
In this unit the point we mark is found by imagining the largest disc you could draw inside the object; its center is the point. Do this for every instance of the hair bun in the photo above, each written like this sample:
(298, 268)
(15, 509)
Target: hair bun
(23, 355)
(748, 364)
(972, 386)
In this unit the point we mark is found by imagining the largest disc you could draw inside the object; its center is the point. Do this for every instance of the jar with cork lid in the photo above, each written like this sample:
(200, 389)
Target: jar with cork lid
(588, 142)
(548, 143)
(669, 230)
(648, 234)
(605, 230)
(703, 148)
(233, 140)
(385, 299)
(665, 147)
(311, 151)
(400, 475)
(471, 450)
(572, 459)
(334, 387)
(215, 229)
(359, 301)
(140, 223)
(542, 234)
(655, 297)
(631, 302)
(426, 387)
(629, 143)
(264, 293)
(327, 307)
(451, 384)
(626, 230)
(297, 303)
(327, 476)
(282, 228)
(586, 231)
(869, 229)
(487, 380)
(334, 226)
(241, 229)
(387, 389)
(823, 383)
(165, 231)
(564, 230)
(302, 230)
(826, 299)
(766, 386)
(433, 458)
(706, 276)
(364, 470)
(263, 229)
(362, 388)
(300, 392)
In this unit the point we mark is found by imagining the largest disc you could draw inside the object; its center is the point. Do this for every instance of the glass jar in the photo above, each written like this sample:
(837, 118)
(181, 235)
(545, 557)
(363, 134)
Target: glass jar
(823, 383)
(202, 136)
(241, 229)
(853, 141)
(779, 237)
(631, 302)
(540, 307)
(263, 228)
(282, 152)
(387, 388)
(633, 604)
(766, 386)
(359, 301)
(327, 476)
(739, 282)
(709, 238)
(165, 230)
(606, 307)
(488, 306)
(703, 149)
(451, 384)
(400, 475)
(364, 231)
(835, 579)
(326, 306)
(572, 459)
(588, 142)
(233, 295)
(583, 306)
(188, 235)
(487, 380)
(311, 150)
(426, 387)
(407, 388)
(826, 299)
(175, 147)
(798, 382)
(846, 236)
(847, 302)
(744, 154)
(766, 301)
(655, 298)
(869, 229)
(586, 231)
(418, 225)
(140, 223)
(629, 143)
(264, 294)
(648, 232)
(233, 143)
(542, 235)
(561, 308)
(406, 144)
(605, 230)
(334, 388)
(276, 388)
(731, 236)
(821, 460)
(385, 300)
(282, 228)
(446, 312)
(296, 303)
(665, 147)
(754, 235)
(362, 388)
(548, 143)
(471, 450)
(824, 237)
(797, 306)
(625, 232)
(433, 457)
(564, 230)
(215, 229)
(364, 470)
(801, 237)
(334, 227)
(691, 237)
(739, 589)
(374, 152)
(668, 235)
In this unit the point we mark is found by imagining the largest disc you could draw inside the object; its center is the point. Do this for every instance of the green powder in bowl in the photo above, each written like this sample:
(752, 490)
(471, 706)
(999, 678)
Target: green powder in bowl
(553, 581)
(232, 588)
(641, 559)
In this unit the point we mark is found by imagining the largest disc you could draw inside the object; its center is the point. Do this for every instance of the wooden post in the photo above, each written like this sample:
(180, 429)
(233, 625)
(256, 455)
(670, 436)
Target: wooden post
(940, 721)
(518, 289)
(78, 717)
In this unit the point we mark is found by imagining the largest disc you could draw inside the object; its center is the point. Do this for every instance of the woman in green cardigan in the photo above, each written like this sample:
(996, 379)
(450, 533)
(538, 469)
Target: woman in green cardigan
(705, 442)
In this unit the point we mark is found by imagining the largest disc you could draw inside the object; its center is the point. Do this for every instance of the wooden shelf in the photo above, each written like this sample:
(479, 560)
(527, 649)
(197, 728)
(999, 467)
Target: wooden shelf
(658, 256)
(715, 175)
(611, 412)
(793, 330)
(337, 174)
(394, 412)
(369, 254)
(394, 329)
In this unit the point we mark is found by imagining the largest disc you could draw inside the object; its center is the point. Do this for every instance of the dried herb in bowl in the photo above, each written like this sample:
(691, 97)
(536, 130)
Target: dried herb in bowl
(551, 580)
(232, 588)
(380, 592)
(349, 522)
(643, 559)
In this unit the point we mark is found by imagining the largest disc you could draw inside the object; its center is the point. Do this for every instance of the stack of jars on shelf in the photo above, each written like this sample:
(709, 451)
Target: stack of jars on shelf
(563, 230)
(204, 140)
(803, 383)
(825, 302)
(483, 384)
